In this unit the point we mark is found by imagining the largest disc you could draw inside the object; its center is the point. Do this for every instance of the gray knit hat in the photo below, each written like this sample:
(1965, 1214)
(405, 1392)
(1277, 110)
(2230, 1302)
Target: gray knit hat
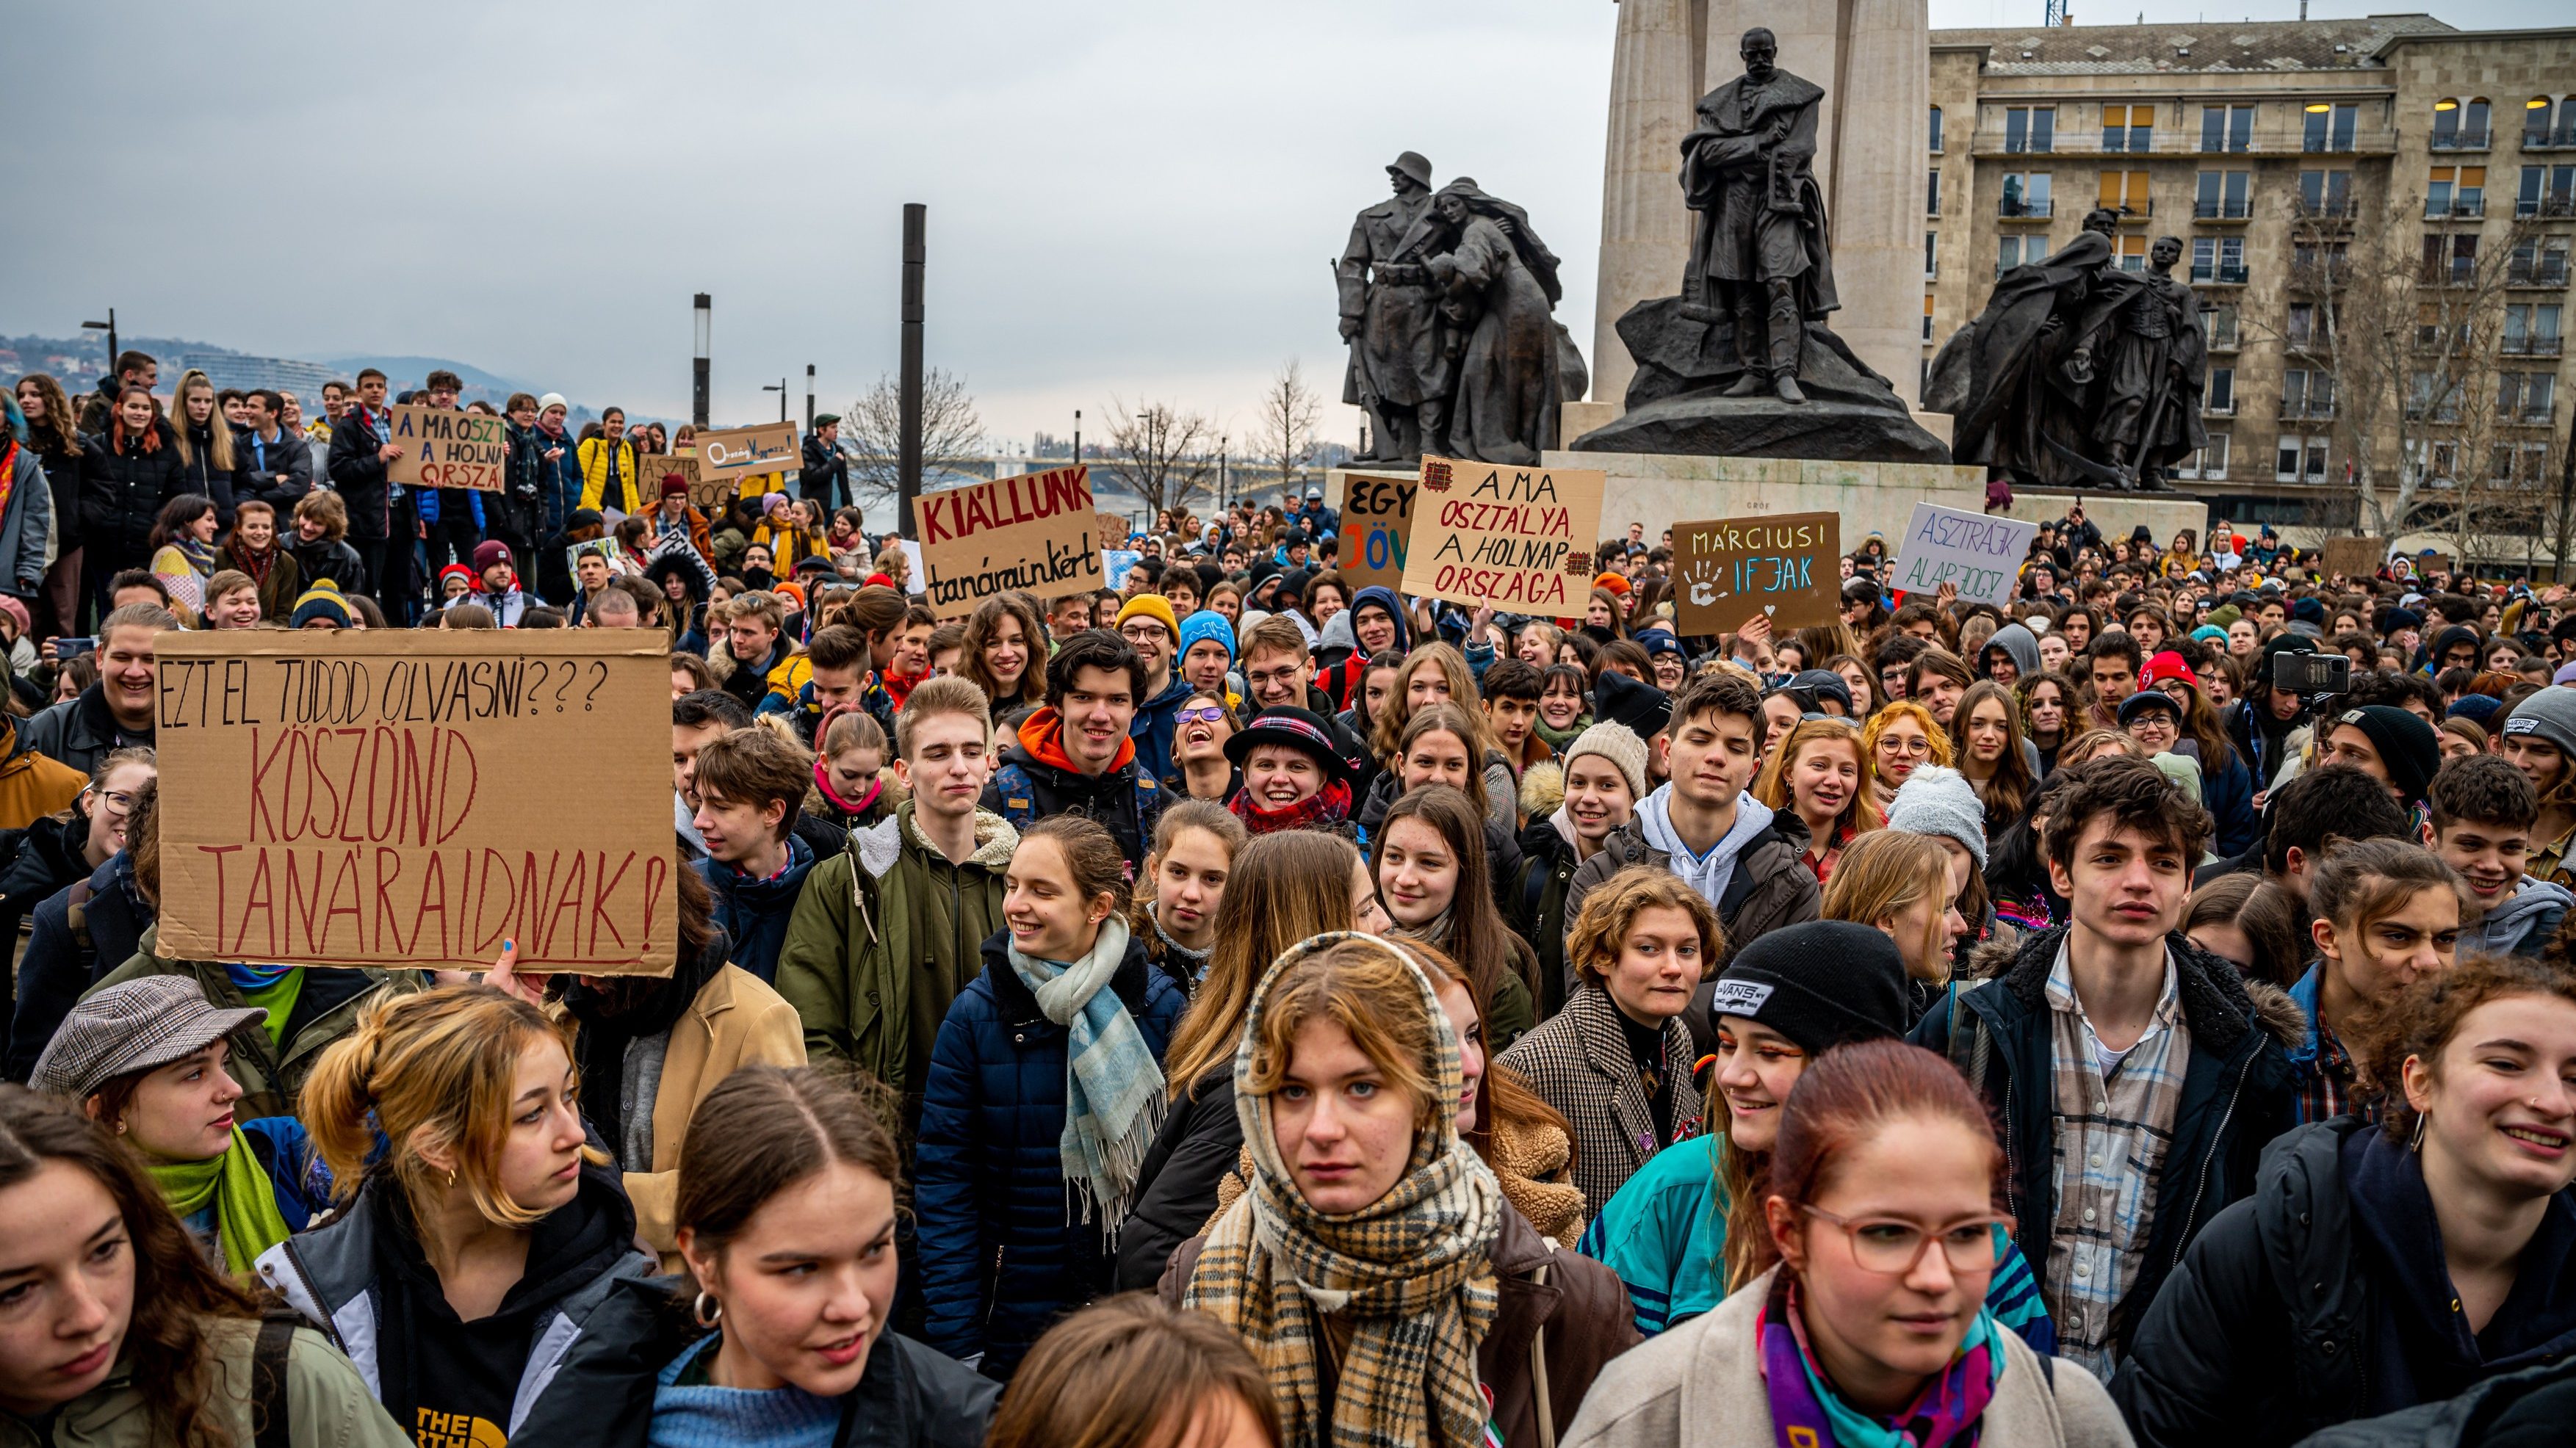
(1938, 801)
(1620, 745)
(2551, 714)
(133, 1027)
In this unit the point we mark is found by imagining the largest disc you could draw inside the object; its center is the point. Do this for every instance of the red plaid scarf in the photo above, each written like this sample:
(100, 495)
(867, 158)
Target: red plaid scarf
(1328, 806)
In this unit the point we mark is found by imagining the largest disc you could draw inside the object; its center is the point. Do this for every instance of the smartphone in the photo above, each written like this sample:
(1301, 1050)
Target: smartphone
(2311, 673)
(72, 648)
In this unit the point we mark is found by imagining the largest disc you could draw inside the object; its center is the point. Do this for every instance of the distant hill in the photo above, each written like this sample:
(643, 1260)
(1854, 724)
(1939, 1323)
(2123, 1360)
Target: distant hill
(403, 372)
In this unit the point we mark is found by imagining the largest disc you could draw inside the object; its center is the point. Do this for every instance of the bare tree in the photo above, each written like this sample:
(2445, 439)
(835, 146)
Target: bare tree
(1288, 412)
(1165, 456)
(872, 433)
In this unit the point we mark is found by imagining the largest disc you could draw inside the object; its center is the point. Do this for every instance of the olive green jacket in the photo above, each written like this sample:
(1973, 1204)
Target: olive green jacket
(327, 1403)
(886, 916)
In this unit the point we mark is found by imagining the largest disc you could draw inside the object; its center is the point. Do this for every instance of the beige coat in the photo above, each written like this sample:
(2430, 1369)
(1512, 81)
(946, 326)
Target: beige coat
(737, 1020)
(1708, 1373)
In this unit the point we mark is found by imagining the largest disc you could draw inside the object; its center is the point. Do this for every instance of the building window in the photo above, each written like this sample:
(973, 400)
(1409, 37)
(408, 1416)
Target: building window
(2030, 128)
(2026, 194)
(2300, 330)
(2218, 324)
(2130, 251)
(2538, 128)
(2220, 399)
(2531, 329)
(2224, 196)
(1936, 129)
(2218, 259)
(2301, 459)
(2318, 263)
(2329, 127)
(1927, 316)
(2128, 128)
(2432, 397)
(2227, 128)
(2456, 191)
(1932, 193)
(2008, 251)
(2125, 192)
(2210, 461)
(2462, 255)
(2307, 392)
(2460, 126)
(2525, 397)
(1931, 255)
(2538, 261)
(2325, 193)
(2546, 191)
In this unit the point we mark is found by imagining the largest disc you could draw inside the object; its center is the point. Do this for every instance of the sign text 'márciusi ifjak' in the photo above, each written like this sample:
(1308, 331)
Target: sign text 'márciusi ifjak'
(397, 799)
(1038, 531)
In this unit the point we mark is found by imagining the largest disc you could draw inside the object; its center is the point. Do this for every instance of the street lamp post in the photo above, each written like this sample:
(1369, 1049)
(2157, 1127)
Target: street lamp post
(1077, 435)
(809, 397)
(109, 327)
(702, 330)
(781, 390)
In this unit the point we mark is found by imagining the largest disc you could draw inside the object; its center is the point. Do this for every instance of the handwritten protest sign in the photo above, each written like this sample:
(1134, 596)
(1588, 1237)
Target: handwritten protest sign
(396, 799)
(1781, 566)
(1037, 532)
(443, 449)
(736, 453)
(1519, 539)
(2354, 557)
(1114, 532)
(1377, 521)
(706, 494)
(1981, 555)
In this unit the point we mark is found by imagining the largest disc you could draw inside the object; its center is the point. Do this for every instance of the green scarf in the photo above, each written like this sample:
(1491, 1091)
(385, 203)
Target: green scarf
(247, 1221)
(1558, 739)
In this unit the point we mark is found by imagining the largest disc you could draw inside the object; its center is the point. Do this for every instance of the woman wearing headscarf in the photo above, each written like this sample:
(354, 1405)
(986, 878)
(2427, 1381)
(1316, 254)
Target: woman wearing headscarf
(1497, 283)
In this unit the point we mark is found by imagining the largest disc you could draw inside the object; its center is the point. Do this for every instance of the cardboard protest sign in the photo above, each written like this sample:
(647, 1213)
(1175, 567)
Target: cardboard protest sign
(2354, 557)
(1981, 555)
(1114, 532)
(1038, 532)
(707, 495)
(1377, 522)
(398, 798)
(1519, 539)
(443, 449)
(1782, 566)
(736, 453)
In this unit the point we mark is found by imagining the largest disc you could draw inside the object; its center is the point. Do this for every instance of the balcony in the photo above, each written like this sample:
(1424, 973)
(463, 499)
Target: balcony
(2464, 141)
(2338, 211)
(2466, 209)
(2442, 339)
(2530, 417)
(2564, 139)
(2550, 273)
(2222, 274)
(2320, 276)
(2533, 346)
(2222, 210)
(2296, 411)
(2548, 208)
(2220, 409)
(2012, 209)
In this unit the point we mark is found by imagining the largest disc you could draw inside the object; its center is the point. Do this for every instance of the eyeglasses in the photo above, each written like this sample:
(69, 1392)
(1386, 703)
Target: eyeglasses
(118, 801)
(1144, 633)
(1891, 1247)
(1910, 748)
(1204, 714)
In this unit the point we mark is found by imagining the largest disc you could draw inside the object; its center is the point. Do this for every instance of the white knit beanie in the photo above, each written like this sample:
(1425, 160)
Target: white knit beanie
(1939, 801)
(1620, 745)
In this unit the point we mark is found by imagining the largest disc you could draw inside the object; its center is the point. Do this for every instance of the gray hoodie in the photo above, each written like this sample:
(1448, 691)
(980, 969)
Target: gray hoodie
(2018, 643)
(2521, 925)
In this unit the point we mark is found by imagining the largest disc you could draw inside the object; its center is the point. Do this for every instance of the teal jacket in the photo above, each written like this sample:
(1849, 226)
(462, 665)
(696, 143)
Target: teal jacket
(1665, 1235)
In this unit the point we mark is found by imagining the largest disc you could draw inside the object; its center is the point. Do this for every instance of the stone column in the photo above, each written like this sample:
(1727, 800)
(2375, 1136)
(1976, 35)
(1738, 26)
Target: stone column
(1873, 57)
(1645, 230)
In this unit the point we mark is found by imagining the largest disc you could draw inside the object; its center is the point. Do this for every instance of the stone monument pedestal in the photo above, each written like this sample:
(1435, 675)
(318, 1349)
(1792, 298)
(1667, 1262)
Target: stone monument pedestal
(2164, 514)
(1660, 489)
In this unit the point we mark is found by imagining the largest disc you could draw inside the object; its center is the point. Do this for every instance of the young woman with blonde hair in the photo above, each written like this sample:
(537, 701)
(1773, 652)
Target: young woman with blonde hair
(1905, 886)
(208, 464)
(1385, 1285)
(478, 1223)
(1816, 774)
(1134, 1372)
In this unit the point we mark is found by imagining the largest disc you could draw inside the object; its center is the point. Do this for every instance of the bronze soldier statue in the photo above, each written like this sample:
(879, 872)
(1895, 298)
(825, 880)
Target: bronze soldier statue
(1390, 314)
(1758, 253)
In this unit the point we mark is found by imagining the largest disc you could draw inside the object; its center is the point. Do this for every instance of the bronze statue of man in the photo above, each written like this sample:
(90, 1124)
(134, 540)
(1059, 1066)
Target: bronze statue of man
(1399, 372)
(2154, 367)
(1758, 253)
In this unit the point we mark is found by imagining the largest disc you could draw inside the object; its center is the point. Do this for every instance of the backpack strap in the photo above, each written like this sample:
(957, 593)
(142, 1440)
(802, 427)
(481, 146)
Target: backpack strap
(1970, 1043)
(76, 918)
(268, 1400)
(1546, 1413)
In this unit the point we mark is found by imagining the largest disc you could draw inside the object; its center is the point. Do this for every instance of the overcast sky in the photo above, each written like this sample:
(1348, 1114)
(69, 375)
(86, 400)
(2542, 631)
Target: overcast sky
(1129, 199)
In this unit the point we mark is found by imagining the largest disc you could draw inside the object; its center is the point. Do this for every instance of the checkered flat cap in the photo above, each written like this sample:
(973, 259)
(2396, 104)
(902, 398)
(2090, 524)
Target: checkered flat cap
(133, 1027)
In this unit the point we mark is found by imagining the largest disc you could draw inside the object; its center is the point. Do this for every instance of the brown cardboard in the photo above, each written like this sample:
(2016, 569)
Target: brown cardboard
(1517, 539)
(1039, 533)
(2353, 557)
(472, 824)
(448, 449)
(1783, 566)
(735, 453)
(1377, 526)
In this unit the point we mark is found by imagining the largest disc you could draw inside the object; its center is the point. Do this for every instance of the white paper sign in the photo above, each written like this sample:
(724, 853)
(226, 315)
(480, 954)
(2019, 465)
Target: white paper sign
(1981, 555)
(917, 579)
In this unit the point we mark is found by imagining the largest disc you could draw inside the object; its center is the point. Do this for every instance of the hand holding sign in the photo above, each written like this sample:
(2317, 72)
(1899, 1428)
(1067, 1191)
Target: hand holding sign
(1781, 564)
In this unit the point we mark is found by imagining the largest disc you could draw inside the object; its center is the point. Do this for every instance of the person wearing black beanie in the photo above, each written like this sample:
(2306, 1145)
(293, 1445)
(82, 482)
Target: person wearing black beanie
(1819, 984)
(2388, 744)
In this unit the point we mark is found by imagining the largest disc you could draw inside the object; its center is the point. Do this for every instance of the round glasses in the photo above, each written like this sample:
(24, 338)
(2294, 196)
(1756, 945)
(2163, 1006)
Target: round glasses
(1892, 1247)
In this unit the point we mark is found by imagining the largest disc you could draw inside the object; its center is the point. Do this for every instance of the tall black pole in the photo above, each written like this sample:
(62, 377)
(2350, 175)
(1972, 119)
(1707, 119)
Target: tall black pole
(702, 310)
(809, 397)
(908, 474)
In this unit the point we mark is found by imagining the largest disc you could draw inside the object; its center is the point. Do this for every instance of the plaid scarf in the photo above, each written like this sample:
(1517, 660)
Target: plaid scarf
(1327, 806)
(1113, 1090)
(1411, 1273)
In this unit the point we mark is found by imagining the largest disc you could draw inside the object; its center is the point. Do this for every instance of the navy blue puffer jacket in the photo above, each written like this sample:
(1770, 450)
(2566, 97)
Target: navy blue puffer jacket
(1002, 1254)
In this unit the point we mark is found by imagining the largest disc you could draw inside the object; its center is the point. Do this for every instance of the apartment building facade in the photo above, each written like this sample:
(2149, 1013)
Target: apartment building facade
(2282, 155)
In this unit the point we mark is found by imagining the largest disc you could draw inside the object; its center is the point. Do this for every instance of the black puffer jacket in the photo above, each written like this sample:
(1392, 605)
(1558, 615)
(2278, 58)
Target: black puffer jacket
(1176, 1183)
(199, 474)
(121, 492)
(2324, 1297)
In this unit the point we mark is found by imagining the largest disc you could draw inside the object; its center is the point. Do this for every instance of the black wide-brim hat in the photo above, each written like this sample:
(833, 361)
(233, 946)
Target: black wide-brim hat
(1298, 729)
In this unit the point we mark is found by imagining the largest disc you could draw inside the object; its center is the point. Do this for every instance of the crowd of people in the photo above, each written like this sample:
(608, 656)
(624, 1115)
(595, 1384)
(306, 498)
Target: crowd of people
(1246, 1008)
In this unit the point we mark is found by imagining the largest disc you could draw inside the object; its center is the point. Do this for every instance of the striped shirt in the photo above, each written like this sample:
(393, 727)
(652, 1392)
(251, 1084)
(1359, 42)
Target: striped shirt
(2112, 1129)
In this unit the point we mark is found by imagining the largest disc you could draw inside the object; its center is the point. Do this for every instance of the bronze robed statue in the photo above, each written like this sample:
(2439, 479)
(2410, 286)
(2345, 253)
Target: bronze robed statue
(1448, 303)
(1742, 363)
(2079, 373)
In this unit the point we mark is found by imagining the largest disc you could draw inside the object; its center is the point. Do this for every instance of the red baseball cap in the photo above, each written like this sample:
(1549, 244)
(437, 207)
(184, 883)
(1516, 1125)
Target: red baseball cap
(2166, 665)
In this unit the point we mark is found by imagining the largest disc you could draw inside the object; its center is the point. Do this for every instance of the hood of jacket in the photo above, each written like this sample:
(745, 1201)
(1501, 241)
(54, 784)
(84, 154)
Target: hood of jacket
(1337, 634)
(777, 893)
(2017, 644)
(1041, 743)
(1384, 597)
(878, 846)
(49, 857)
(2512, 917)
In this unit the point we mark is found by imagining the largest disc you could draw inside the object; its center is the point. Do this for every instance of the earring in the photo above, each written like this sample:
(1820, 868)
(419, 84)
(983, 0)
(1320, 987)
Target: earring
(2416, 1142)
(706, 1309)
(451, 1178)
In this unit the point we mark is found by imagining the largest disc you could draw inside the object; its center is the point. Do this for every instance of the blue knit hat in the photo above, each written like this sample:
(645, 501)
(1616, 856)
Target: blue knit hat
(1204, 625)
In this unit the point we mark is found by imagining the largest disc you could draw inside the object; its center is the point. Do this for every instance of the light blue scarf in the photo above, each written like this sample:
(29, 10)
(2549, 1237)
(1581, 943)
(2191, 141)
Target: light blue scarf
(1113, 1088)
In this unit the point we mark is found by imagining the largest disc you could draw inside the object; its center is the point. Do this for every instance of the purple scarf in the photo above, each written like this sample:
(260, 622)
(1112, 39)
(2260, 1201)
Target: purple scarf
(1806, 1412)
